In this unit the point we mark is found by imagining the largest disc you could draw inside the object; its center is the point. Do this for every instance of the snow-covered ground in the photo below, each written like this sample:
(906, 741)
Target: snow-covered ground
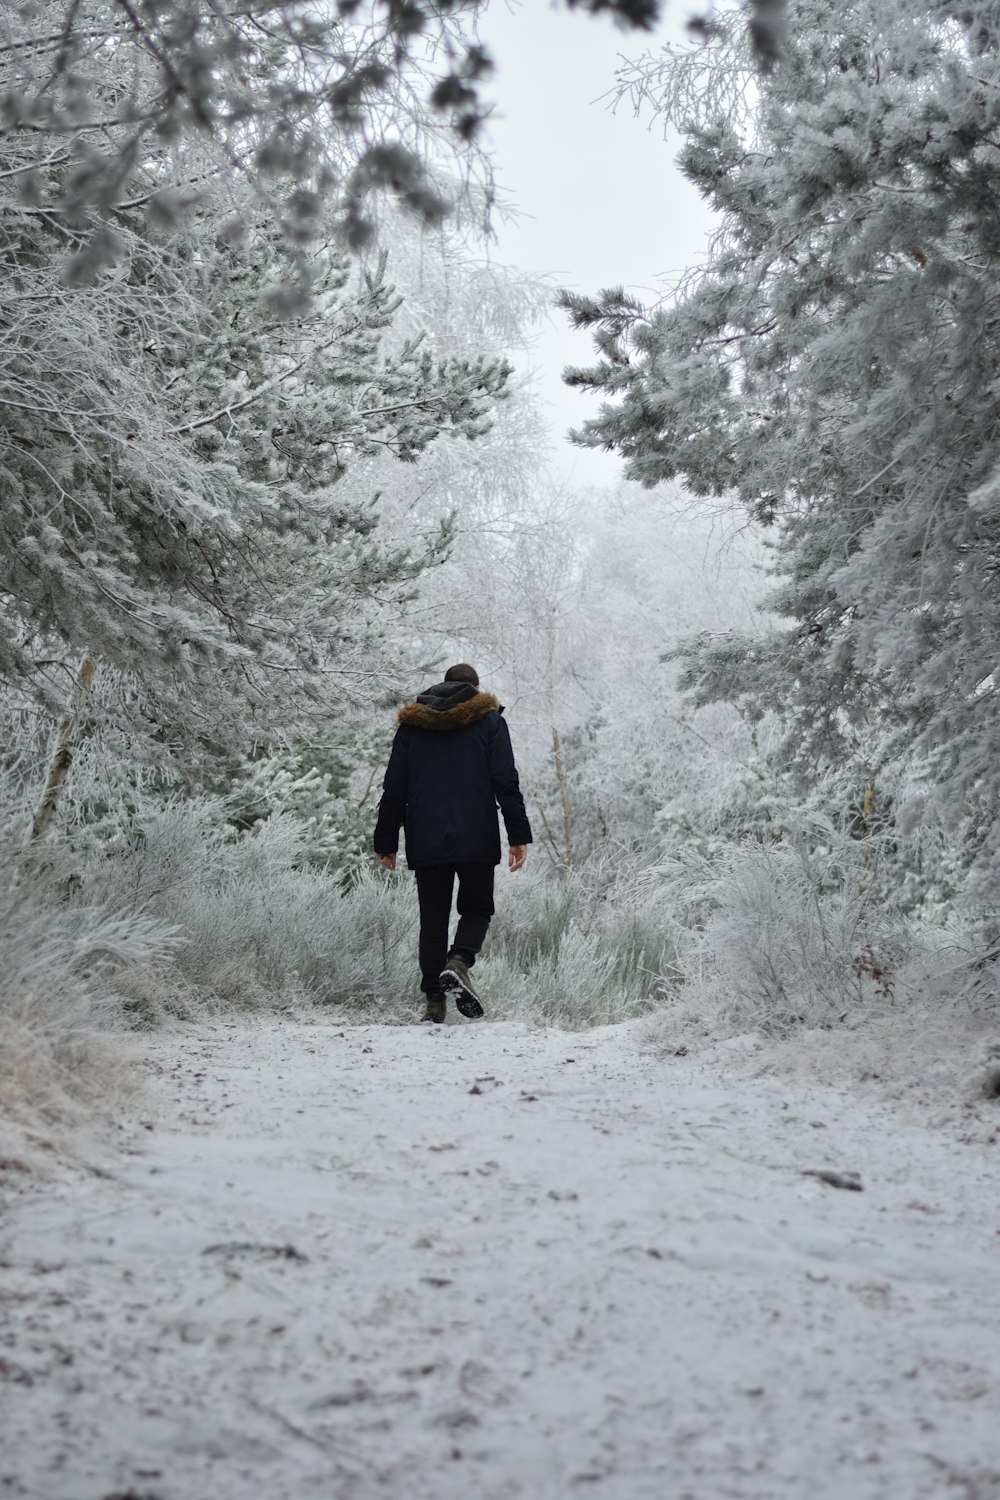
(493, 1261)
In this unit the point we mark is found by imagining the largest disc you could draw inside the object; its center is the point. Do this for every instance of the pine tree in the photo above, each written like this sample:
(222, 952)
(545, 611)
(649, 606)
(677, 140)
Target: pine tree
(188, 368)
(169, 501)
(833, 368)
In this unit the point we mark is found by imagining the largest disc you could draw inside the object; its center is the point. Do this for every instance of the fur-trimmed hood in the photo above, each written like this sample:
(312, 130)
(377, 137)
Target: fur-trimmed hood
(448, 705)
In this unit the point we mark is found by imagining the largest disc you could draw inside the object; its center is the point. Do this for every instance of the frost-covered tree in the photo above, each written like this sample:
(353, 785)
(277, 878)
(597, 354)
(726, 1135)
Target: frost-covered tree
(173, 407)
(177, 417)
(833, 367)
(169, 497)
(310, 104)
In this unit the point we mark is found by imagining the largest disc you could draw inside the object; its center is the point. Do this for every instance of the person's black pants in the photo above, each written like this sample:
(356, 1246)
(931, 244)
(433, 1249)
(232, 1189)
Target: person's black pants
(475, 908)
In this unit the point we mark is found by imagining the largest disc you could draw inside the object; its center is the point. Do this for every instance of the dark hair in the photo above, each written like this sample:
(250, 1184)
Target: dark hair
(462, 672)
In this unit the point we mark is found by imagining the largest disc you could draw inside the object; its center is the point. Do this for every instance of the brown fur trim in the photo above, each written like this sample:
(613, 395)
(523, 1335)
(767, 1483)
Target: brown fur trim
(423, 717)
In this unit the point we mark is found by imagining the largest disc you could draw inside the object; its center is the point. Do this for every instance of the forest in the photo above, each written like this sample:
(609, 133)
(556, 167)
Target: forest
(704, 1207)
(271, 459)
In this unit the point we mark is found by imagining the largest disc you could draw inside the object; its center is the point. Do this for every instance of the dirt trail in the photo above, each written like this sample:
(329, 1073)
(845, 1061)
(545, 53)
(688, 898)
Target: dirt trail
(483, 1260)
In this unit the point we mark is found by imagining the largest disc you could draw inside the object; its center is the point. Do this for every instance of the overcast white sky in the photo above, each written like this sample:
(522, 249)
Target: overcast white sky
(601, 200)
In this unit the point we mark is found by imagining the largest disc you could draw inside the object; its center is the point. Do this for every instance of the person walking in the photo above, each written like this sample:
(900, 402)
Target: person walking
(450, 767)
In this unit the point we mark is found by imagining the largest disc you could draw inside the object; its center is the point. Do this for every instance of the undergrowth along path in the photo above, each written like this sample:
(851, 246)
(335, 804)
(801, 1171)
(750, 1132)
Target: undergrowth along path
(360, 1262)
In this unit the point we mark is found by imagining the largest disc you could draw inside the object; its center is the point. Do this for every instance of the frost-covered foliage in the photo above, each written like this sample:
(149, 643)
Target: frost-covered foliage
(336, 822)
(170, 497)
(573, 951)
(311, 106)
(786, 933)
(59, 952)
(641, 762)
(259, 925)
(179, 404)
(317, 107)
(833, 367)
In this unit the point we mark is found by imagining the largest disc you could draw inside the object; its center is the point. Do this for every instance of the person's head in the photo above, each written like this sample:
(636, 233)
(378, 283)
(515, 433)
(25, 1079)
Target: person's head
(462, 672)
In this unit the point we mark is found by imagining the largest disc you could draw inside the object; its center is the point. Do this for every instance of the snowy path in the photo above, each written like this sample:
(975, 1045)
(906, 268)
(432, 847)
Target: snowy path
(333, 1264)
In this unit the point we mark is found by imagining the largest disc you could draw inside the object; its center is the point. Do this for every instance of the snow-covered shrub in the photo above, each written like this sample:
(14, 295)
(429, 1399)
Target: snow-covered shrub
(374, 953)
(163, 856)
(791, 937)
(259, 925)
(953, 966)
(573, 986)
(569, 952)
(639, 920)
(303, 933)
(58, 1002)
(533, 915)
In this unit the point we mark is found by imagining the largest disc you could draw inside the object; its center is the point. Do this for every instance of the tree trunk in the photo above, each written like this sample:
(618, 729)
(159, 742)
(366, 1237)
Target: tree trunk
(564, 792)
(63, 757)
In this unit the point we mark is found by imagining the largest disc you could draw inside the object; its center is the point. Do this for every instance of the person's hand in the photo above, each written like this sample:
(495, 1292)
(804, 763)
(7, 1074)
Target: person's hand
(518, 854)
(387, 861)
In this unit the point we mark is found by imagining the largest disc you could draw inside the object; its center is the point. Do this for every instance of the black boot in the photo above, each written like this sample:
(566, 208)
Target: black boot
(455, 981)
(436, 1008)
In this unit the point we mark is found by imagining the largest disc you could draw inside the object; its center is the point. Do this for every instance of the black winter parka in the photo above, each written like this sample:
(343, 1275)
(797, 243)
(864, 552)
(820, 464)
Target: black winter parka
(451, 766)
